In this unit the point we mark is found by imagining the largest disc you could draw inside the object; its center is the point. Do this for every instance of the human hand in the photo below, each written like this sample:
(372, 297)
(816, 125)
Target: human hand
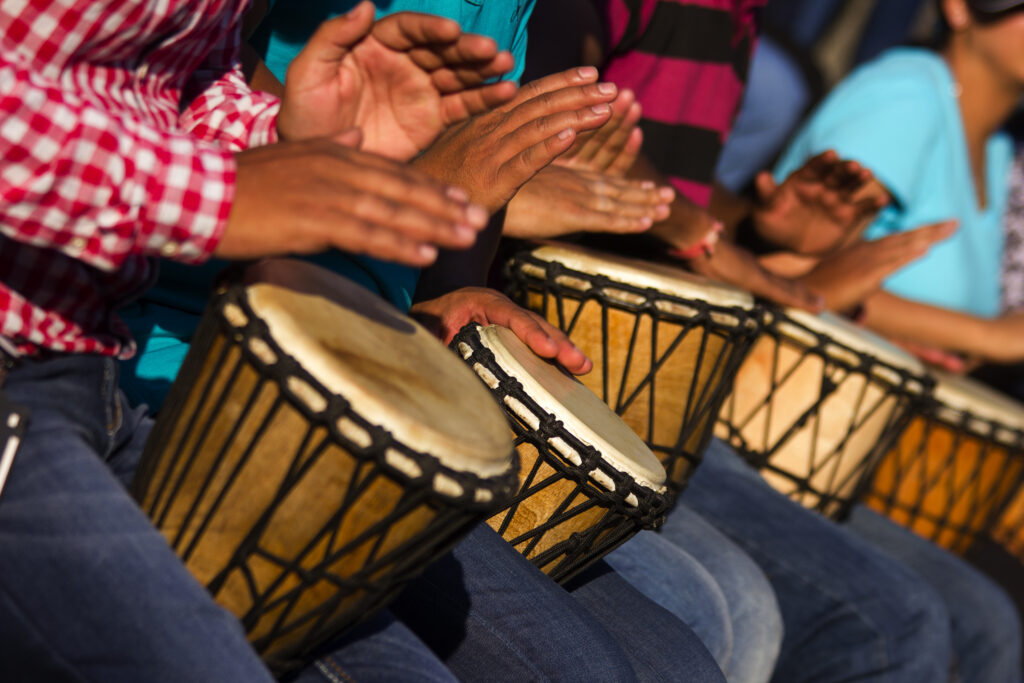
(493, 154)
(846, 277)
(401, 80)
(305, 197)
(934, 356)
(822, 205)
(559, 201)
(612, 148)
(736, 266)
(448, 314)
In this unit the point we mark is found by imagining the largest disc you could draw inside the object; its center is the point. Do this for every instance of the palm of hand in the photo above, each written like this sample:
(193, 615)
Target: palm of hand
(384, 93)
(789, 214)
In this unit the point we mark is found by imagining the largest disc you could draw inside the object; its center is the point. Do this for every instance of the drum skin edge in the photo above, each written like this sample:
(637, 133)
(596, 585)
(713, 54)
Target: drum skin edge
(351, 597)
(561, 559)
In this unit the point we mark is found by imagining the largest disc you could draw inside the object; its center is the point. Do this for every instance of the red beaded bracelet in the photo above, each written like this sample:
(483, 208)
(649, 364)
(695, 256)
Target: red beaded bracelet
(706, 247)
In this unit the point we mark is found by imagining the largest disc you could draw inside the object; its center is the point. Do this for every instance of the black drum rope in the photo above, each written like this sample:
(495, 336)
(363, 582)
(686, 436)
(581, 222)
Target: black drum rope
(357, 595)
(620, 521)
(701, 409)
(979, 508)
(822, 496)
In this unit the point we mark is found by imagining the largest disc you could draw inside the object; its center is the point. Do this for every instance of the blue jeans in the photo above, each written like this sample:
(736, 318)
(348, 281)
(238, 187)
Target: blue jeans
(714, 587)
(90, 590)
(490, 615)
(986, 627)
(378, 650)
(850, 611)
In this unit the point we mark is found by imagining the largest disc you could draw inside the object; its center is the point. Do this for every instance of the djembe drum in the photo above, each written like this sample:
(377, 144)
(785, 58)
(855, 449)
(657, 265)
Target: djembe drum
(587, 482)
(955, 466)
(316, 452)
(665, 343)
(817, 403)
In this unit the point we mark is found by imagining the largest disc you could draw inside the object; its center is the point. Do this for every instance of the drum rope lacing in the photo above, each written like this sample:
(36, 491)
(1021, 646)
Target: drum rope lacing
(968, 495)
(736, 327)
(580, 549)
(838, 363)
(358, 593)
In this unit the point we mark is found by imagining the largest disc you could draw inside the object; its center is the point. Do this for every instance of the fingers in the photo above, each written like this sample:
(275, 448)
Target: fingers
(625, 160)
(765, 184)
(460, 106)
(548, 129)
(453, 76)
(590, 146)
(407, 30)
(543, 339)
(332, 41)
(572, 77)
(787, 292)
(896, 251)
(620, 132)
(945, 360)
(571, 100)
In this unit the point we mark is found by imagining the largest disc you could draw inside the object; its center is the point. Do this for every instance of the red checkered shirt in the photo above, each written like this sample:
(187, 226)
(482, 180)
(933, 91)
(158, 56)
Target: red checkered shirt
(118, 119)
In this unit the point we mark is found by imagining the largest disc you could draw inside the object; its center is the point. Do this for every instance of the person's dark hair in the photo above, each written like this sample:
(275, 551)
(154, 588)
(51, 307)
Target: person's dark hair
(983, 11)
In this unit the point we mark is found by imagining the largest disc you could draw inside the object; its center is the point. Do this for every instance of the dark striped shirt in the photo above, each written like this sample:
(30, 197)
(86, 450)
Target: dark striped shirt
(687, 62)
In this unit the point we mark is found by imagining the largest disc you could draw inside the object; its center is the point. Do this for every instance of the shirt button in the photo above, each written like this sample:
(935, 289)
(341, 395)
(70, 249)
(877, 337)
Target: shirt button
(170, 249)
(78, 243)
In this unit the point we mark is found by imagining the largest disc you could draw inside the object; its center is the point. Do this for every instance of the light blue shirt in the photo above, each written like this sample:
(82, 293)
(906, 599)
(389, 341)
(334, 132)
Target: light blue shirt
(163, 321)
(899, 117)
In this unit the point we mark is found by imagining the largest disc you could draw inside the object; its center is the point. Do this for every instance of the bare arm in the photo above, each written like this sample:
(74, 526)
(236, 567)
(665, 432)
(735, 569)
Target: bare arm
(998, 340)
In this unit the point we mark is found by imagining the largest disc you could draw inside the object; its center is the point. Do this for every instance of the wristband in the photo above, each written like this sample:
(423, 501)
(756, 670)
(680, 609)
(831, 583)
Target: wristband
(706, 247)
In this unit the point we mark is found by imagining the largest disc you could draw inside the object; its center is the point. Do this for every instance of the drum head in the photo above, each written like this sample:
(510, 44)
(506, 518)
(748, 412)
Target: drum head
(852, 336)
(965, 395)
(391, 370)
(581, 412)
(664, 278)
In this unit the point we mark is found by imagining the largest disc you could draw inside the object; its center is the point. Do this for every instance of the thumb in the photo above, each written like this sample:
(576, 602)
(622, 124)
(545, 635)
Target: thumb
(350, 137)
(765, 184)
(335, 37)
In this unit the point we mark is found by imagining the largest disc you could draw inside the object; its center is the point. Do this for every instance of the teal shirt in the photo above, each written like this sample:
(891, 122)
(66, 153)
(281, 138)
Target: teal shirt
(899, 117)
(289, 25)
(163, 321)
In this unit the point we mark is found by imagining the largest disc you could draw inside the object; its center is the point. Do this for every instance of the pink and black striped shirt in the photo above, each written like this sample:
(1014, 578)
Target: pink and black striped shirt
(687, 62)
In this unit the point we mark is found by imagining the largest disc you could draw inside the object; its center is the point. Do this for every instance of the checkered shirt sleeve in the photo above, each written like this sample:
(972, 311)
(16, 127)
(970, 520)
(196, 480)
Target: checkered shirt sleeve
(97, 186)
(225, 110)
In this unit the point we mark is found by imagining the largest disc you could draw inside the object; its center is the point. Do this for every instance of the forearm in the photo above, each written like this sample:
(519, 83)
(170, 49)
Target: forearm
(729, 208)
(949, 330)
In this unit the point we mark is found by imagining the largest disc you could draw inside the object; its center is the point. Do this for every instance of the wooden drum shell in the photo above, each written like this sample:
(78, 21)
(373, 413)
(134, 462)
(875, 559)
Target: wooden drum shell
(947, 480)
(814, 415)
(572, 507)
(297, 524)
(663, 363)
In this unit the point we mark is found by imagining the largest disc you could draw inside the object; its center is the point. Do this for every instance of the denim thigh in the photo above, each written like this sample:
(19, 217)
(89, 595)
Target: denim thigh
(848, 609)
(90, 590)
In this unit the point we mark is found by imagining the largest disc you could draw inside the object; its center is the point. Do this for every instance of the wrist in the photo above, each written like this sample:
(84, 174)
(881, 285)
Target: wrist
(705, 247)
